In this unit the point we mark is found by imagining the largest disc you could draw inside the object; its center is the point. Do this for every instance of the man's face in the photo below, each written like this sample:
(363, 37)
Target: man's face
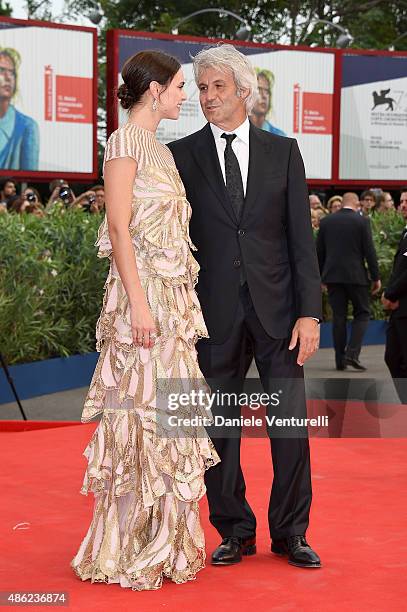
(9, 189)
(7, 77)
(403, 205)
(217, 95)
(388, 202)
(314, 201)
(367, 203)
(336, 205)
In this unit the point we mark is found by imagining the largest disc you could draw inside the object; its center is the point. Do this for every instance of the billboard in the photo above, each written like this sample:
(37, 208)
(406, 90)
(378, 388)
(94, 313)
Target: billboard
(373, 126)
(296, 89)
(48, 100)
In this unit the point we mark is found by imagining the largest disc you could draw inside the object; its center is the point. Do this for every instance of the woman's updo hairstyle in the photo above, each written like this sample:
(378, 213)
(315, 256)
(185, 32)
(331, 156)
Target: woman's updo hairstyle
(142, 68)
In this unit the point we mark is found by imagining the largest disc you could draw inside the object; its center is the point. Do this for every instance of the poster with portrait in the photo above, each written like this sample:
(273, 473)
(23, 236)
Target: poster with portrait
(373, 132)
(295, 93)
(47, 99)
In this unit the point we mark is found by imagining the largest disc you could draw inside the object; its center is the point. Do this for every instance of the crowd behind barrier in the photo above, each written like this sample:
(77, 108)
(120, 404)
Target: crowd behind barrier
(16, 200)
(371, 202)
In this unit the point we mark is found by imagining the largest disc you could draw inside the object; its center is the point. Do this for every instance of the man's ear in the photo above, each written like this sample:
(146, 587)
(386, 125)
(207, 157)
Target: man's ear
(243, 92)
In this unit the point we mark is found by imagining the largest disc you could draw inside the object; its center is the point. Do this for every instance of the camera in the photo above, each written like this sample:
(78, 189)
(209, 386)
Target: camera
(88, 203)
(31, 197)
(65, 195)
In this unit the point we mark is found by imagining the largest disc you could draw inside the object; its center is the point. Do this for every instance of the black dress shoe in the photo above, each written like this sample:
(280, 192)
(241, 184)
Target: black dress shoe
(340, 364)
(231, 549)
(298, 550)
(355, 363)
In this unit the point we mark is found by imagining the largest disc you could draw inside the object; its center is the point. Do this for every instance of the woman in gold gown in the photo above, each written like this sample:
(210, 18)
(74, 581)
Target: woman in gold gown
(146, 480)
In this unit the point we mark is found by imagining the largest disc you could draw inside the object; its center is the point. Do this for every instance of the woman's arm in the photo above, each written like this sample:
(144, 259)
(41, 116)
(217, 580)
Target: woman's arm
(119, 175)
(77, 201)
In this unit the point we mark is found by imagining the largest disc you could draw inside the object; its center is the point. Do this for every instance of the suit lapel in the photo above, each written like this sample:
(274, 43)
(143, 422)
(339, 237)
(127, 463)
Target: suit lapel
(259, 163)
(206, 157)
(402, 245)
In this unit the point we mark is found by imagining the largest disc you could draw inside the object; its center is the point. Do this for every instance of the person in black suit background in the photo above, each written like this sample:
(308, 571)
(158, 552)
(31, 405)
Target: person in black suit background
(344, 243)
(394, 298)
(258, 282)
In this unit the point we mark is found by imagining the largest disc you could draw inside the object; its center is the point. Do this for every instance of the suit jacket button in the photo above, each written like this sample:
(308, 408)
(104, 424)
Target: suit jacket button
(241, 232)
(236, 263)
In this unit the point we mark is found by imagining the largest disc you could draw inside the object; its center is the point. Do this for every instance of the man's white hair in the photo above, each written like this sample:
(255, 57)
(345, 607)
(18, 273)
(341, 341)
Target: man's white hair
(227, 58)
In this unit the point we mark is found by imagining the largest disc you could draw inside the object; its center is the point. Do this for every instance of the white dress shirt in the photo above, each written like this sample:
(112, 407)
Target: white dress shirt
(240, 146)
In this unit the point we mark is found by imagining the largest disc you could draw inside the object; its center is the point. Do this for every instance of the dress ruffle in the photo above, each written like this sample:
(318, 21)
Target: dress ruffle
(174, 307)
(161, 239)
(125, 453)
(146, 518)
(133, 370)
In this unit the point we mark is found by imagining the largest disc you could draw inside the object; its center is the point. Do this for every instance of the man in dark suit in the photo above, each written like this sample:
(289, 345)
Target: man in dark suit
(394, 299)
(344, 243)
(258, 283)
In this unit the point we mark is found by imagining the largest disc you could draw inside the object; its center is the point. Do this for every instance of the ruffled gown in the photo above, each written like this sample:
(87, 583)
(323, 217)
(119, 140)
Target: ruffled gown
(147, 480)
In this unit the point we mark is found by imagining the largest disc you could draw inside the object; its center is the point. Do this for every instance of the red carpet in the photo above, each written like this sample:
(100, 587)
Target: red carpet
(358, 526)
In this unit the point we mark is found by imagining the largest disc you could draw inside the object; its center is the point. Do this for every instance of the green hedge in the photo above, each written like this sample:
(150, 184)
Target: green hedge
(51, 282)
(387, 229)
(51, 285)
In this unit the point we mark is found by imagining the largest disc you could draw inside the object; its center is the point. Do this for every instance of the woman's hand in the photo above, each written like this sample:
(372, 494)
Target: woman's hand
(142, 325)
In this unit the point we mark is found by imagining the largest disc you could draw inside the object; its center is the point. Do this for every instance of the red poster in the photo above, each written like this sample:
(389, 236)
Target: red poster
(316, 113)
(74, 99)
(296, 121)
(48, 93)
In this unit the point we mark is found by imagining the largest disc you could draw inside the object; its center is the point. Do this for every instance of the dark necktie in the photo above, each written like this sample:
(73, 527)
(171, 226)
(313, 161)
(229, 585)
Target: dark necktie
(234, 183)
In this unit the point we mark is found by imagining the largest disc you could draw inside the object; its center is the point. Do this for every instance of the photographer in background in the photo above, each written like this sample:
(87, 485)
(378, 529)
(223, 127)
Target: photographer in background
(61, 194)
(100, 197)
(26, 204)
(32, 195)
(8, 189)
(92, 201)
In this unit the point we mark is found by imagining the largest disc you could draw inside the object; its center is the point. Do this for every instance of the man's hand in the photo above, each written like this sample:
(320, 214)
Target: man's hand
(307, 331)
(324, 287)
(376, 286)
(388, 305)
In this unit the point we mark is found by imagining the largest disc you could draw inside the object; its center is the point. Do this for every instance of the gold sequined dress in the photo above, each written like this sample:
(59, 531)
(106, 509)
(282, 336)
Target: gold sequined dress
(146, 481)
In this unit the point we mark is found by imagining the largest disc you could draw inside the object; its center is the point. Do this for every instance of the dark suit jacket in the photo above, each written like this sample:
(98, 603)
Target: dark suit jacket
(397, 286)
(273, 238)
(344, 242)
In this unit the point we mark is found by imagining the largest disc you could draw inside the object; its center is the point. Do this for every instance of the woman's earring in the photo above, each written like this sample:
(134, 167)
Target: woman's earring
(154, 107)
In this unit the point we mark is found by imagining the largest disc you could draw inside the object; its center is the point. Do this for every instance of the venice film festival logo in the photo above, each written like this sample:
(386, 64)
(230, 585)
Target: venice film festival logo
(383, 98)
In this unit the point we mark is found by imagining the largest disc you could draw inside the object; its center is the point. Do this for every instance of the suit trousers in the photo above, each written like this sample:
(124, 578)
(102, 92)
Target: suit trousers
(396, 354)
(339, 295)
(291, 492)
